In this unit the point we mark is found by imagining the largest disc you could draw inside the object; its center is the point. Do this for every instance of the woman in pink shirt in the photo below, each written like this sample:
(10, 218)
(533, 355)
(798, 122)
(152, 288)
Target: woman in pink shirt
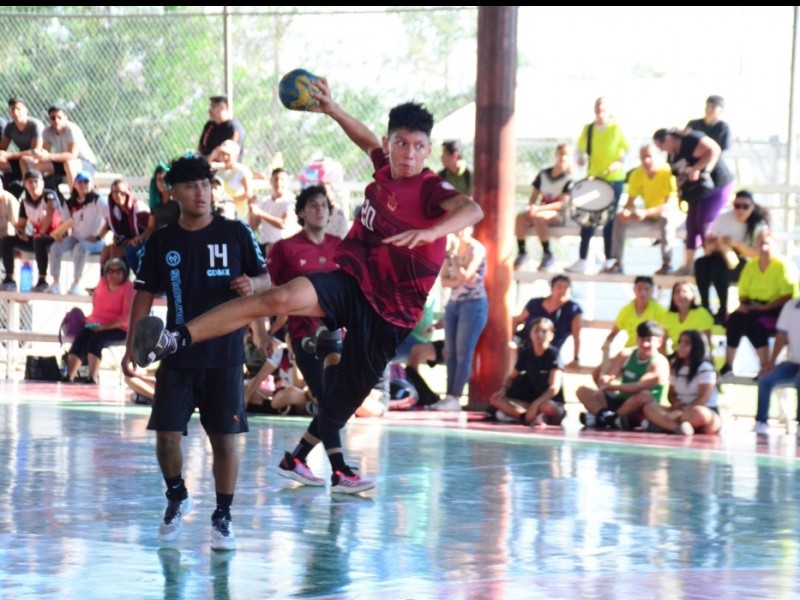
(108, 322)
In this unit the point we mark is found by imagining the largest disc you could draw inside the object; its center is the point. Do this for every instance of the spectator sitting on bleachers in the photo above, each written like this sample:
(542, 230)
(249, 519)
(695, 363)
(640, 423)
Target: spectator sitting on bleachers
(273, 218)
(86, 217)
(766, 284)
(163, 209)
(787, 335)
(642, 373)
(730, 243)
(692, 391)
(39, 216)
(655, 184)
(642, 308)
(237, 178)
(565, 314)
(547, 207)
(108, 322)
(684, 313)
(127, 219)
(65, 151)
(9, 209)
(25, 132)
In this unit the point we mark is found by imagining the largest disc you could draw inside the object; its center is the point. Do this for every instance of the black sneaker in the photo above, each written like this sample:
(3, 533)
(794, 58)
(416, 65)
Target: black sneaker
(725, 370)
(152, 341)
(521, 260)
(40, 287)
(605, 419)
(587, 419)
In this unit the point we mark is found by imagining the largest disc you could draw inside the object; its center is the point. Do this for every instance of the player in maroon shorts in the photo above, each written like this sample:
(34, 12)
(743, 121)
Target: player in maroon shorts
(388, 262)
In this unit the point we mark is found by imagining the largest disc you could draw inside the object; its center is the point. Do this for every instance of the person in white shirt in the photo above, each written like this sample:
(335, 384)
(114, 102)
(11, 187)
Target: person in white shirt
(64, 150)
(85, 216)
(273, 218)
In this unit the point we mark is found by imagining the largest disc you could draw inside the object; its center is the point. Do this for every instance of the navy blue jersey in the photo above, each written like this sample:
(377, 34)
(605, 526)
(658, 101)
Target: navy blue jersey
(195, 269)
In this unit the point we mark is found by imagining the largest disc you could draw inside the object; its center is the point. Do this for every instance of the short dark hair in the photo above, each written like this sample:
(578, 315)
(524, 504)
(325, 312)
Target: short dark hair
(56, 108)
(716, 100)
(277, 170)
(307, 194)
(560, 277)
(221, 98)
(745, 194)
(14, 100)
(452, 146)
(644, 279)
(649, 328)
(191, 167)
(411, 116)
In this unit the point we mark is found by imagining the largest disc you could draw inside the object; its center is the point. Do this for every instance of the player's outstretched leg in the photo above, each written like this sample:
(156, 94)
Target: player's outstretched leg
(152, 341)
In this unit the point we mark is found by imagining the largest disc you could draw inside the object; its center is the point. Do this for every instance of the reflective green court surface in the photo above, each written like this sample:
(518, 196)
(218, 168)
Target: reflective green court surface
(463, 509)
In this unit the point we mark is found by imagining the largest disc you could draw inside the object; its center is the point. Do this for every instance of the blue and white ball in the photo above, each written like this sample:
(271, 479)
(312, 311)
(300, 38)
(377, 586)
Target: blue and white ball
(295, 89)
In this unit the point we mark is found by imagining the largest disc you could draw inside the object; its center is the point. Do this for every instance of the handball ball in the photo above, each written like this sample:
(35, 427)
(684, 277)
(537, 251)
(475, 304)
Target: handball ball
(295, 88)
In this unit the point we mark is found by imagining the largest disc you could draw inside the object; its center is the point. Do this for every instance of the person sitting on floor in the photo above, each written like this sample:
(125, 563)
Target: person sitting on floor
(533, 393)
(635, 377)
(108, 322)
(692, 391)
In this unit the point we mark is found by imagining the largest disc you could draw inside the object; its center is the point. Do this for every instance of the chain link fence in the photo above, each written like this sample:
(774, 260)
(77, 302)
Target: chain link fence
(137, 80)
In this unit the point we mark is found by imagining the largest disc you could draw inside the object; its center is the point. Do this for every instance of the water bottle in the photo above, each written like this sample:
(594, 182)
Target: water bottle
(26, 277)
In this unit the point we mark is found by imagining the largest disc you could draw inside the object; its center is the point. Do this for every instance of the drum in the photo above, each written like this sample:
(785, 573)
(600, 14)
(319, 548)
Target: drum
(592, 202)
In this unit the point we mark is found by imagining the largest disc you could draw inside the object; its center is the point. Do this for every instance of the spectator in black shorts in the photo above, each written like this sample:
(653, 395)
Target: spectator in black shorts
(201, 261)
(533, 393)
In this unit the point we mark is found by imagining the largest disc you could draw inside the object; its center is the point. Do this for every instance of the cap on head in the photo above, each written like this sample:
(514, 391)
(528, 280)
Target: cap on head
(649, 329)
(33, 174)
(83, 176)
(219, 98)
(716, 100)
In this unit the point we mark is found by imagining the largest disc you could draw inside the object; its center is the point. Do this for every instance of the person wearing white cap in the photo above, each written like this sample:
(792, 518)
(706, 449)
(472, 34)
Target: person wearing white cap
(86, 218)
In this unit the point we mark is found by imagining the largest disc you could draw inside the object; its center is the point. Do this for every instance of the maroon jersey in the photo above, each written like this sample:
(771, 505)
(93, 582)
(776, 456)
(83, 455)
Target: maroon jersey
(396, 281)
(295, 256)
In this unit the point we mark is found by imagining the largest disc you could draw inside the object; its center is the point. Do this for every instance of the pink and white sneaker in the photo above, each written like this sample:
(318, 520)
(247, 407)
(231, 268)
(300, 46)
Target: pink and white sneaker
(297, 470)
(348, 482)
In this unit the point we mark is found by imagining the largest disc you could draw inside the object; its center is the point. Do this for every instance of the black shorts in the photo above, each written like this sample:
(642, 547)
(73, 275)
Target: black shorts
(217, 393)
(614, 400)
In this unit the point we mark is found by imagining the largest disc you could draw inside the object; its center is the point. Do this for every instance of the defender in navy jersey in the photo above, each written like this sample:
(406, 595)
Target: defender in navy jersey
(388, 263)
(200, 262)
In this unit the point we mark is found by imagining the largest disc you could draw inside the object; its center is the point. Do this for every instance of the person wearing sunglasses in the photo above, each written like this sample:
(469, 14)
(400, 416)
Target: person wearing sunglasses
(65, 151)
(106, 325)
(729, 244)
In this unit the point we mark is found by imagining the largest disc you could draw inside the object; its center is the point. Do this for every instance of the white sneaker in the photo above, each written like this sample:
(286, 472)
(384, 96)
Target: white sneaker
(609, 263)
(761, 428)
(579, 266)
(222, 537)
(450, 403)
(504, 418)
(685, 428)
(54, 289)
(171, 526)
(75, 290)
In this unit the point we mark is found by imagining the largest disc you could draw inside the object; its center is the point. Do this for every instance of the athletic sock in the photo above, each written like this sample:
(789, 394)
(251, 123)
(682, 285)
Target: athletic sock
(176, 489)
(224, 502)
(546, 247)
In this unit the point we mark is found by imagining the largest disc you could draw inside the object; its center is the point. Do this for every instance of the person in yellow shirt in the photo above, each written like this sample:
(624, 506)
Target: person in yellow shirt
(685, 313)
(766, 284)
(642, 308)
(655, 184)
(602, 147)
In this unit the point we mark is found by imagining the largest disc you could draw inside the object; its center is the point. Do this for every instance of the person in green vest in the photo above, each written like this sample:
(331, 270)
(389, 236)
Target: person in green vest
(634, 377)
